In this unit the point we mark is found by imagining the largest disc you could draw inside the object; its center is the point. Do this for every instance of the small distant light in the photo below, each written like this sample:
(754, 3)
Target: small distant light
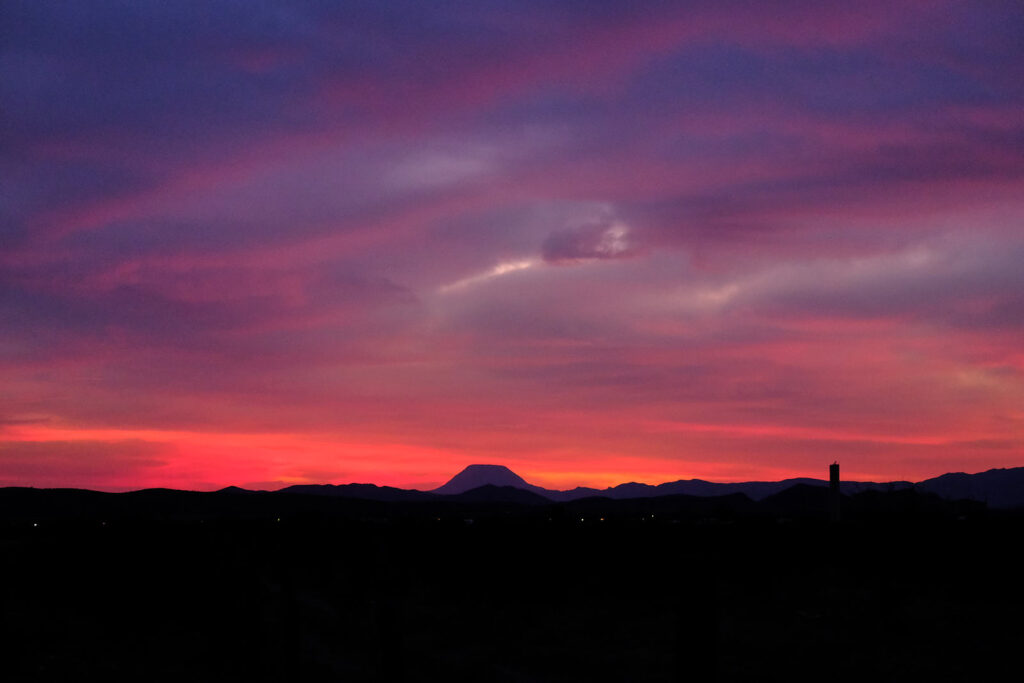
(279, 519)
(602, 519)
(103, 523)
(581, 519)
(34, 524)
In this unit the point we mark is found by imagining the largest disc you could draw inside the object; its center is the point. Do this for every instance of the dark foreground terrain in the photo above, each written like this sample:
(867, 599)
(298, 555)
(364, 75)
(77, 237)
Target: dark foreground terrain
(172, 586)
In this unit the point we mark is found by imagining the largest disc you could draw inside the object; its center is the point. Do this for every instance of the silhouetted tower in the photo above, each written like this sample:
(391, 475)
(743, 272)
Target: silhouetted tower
(833, 491)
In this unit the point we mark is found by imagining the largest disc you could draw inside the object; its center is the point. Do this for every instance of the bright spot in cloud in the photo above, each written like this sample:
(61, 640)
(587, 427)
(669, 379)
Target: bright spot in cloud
(614, 240)
(497, 271)
(716, 296)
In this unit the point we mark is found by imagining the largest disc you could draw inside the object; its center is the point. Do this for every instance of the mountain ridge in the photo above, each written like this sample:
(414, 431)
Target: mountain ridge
(998, 487)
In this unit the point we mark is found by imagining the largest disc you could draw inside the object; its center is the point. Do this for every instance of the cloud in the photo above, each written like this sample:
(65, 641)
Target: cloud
(503, 268)
(433, 170)
(958, 280)
(20, 421)
(603, 240)
(79, 463)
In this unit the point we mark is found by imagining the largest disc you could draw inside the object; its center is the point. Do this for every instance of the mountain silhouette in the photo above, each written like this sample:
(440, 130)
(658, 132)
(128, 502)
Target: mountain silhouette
(999, 488)
(475, 476)
(755, 490)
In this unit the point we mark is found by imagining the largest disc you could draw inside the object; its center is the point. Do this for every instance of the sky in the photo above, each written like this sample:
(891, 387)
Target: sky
(262, 243)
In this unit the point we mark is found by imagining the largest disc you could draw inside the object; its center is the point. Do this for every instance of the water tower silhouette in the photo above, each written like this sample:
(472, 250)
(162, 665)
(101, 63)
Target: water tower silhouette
(833, 491)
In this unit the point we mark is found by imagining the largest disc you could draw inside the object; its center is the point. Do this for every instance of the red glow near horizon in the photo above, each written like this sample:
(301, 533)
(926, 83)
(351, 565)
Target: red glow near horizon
(208, 461)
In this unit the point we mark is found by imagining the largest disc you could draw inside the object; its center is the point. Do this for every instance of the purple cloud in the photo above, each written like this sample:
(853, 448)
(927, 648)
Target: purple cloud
(603, 239)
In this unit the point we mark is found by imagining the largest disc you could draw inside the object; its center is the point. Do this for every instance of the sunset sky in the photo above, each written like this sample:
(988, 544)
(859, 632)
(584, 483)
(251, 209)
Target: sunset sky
(261, 243)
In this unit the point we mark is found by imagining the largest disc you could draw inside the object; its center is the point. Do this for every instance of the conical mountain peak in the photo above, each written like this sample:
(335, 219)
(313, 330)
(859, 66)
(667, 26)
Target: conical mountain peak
(475, 476)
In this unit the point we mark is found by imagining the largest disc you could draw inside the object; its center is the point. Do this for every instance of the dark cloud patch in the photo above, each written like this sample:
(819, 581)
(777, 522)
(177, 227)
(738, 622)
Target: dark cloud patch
(599, 240)
(19, 421)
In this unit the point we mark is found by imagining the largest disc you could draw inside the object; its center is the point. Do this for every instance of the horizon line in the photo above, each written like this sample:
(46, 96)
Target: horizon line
(366, 483)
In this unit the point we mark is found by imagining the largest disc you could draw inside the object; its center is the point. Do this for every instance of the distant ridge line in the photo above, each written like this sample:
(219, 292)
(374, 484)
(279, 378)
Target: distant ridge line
(999, 488)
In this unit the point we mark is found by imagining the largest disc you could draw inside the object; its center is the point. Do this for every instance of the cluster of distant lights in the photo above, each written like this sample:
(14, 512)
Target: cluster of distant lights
(35, 525)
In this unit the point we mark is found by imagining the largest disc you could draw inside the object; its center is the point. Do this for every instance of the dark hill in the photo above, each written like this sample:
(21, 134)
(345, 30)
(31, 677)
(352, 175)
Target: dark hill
(388, 494)
(234, 490)
(490, 493)
(671, 507)
(799, 501)
(999, 488)
(910, 504)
